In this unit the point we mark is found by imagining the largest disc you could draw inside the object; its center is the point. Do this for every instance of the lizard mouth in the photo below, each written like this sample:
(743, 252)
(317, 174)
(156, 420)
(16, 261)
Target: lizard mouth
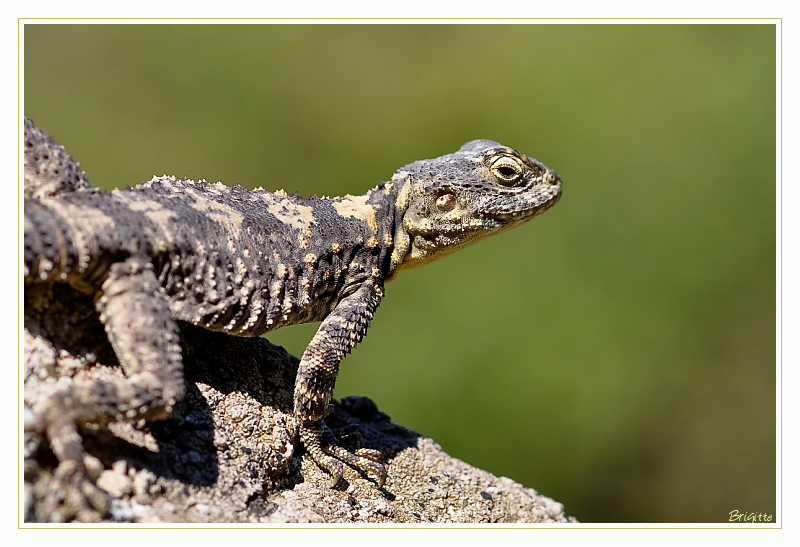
(524, 206)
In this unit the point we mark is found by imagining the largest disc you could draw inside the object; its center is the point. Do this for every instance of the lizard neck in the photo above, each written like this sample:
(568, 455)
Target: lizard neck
(395, 197)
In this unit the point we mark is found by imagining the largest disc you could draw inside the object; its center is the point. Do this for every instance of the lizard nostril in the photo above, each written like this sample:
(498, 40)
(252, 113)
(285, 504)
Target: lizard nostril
(551, 177)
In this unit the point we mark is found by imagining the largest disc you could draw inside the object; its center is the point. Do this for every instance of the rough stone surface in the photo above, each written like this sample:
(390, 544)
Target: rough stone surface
(225, 454)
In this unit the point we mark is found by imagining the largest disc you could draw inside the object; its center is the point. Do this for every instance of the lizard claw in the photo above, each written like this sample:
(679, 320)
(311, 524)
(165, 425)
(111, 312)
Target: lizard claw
(71, 494)
(363, 459)
(330, 456)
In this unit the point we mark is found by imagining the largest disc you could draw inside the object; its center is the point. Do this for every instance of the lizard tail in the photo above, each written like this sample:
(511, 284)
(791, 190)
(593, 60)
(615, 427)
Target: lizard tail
(49, 170)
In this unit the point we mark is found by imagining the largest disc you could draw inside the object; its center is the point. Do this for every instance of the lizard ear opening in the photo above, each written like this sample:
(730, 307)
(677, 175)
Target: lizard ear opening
(446, 202)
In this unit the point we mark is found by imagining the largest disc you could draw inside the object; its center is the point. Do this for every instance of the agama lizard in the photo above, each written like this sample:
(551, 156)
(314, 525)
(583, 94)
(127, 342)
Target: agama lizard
(246, 263)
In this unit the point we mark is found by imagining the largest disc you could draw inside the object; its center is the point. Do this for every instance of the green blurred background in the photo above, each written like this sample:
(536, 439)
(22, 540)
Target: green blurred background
(618, 353)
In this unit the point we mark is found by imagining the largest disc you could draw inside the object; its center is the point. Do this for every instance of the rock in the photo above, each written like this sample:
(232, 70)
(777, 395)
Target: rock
(225, 454)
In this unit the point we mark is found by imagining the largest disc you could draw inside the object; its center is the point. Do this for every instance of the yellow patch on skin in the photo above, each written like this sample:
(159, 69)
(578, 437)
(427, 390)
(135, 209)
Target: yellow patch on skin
(372, 242)
(274, 292)
(305, 297)
(241, 270)
(400, 175)
(292, 214)
(156, 213)
(310, 259)
(226, 215)
(419, 225)
(387, 239)
(80, 217)
(144, 205)
(84, 222)
(336, 247)
(453, 216)
(403, 197)
(356, 207)
(161, 217)
(287, 307)
(401, 247)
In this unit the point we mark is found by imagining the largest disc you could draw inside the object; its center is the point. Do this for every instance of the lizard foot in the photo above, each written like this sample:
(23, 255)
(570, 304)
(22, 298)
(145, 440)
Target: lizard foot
(328, 454)
(71, 494)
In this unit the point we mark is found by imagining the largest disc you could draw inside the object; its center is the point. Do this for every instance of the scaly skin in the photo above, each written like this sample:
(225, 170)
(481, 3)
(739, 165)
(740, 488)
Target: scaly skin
(248, 262)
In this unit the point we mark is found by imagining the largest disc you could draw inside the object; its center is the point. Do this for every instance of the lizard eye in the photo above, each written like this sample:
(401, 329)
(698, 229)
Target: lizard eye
(507, 170)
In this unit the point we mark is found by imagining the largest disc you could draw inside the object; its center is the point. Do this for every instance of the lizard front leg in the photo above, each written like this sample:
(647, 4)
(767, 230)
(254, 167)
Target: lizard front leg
(337, 335)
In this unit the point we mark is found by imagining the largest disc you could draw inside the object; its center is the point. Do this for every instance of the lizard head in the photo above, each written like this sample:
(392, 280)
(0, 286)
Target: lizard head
(455, 200)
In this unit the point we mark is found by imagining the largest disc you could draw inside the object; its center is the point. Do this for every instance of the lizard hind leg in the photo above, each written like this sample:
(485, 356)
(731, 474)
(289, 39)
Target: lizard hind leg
(135, 313)
(138, 321)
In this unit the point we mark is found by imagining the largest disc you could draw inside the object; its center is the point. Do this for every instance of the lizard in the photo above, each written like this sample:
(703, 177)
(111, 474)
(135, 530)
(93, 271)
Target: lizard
(246, 263)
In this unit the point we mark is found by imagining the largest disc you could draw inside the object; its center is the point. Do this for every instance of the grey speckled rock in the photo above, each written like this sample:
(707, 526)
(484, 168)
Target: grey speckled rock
(225, 454)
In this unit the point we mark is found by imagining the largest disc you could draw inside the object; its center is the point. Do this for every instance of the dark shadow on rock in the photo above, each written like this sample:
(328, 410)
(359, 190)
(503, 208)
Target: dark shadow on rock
(184, 439)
